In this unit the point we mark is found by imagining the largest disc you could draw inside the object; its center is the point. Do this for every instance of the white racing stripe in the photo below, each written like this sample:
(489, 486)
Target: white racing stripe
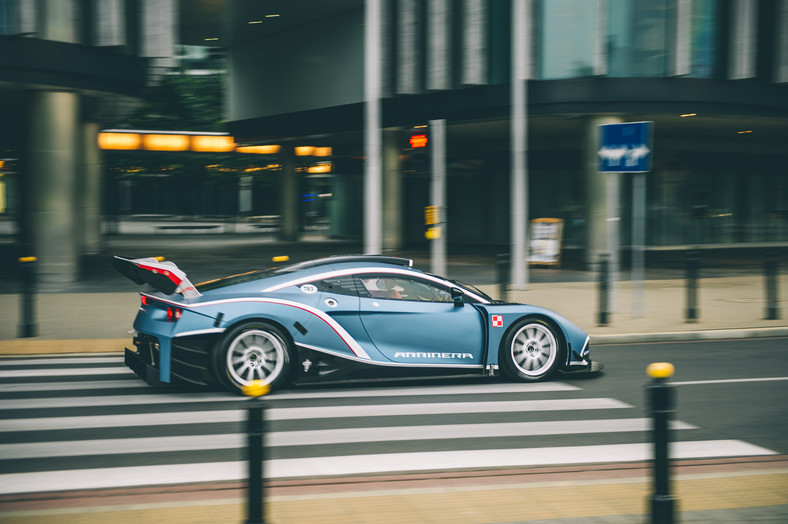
(101, 478)
(192, 397)
(308, 413)
(325, 436)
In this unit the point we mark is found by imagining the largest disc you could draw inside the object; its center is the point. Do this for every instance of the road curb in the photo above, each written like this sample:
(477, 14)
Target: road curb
(62, 346)
(689, 336)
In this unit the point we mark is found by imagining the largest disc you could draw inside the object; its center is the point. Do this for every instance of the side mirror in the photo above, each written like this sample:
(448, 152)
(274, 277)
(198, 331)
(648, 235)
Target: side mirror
(457, 296)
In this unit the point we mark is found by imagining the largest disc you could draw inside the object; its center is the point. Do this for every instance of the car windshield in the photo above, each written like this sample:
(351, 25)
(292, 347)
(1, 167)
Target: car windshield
(475, 290)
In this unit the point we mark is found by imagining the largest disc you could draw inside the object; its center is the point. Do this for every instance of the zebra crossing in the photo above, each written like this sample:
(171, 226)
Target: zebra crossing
(77, 423)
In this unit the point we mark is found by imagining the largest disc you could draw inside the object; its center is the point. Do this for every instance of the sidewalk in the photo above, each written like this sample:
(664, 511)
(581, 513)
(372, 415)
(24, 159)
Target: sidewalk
(733, 490)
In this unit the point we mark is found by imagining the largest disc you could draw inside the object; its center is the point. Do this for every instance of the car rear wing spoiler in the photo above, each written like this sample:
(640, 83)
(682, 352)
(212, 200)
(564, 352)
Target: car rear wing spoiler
(163, 275)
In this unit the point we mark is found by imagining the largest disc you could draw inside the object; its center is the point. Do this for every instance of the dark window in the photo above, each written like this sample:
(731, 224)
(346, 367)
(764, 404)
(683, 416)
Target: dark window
(341, 286)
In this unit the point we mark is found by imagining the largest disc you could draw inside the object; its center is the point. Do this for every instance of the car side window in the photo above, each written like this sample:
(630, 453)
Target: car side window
(341, 286)
(403, 288)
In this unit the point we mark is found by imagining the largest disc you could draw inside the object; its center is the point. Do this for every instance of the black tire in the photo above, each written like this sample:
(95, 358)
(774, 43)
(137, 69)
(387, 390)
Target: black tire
(532, 350)
(251, 351)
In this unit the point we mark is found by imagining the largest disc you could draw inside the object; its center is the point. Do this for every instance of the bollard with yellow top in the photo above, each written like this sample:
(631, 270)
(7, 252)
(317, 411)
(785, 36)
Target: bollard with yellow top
(256, 390)
(660, 398)
(27, 317)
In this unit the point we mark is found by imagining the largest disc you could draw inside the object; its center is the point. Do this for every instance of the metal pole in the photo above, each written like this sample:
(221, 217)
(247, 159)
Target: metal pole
(256, 451)
(613, 241)
(438, 150)
(373, 171)
(692, 263)
(604, 289)
(519, 142)
(638, 242)
(27, 319)
(660, 396)
(771, 269)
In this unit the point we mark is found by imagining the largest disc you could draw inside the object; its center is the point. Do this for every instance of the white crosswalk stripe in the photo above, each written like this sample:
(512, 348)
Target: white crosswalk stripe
(72, 440)
(324, 436)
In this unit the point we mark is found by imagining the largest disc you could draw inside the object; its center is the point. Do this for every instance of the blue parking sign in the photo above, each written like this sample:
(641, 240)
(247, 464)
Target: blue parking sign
(625, 147)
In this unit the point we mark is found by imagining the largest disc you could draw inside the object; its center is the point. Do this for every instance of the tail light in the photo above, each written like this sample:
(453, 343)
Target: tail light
(173, 314)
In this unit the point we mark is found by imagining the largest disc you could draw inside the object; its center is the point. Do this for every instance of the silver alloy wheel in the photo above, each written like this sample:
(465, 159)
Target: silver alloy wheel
(255, 354)
(534, 349)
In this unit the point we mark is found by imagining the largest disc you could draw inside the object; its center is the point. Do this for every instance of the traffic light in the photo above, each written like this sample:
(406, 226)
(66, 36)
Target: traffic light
(417, 152)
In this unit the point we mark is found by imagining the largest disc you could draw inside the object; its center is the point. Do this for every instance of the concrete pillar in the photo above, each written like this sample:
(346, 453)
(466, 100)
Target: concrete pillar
(88, 197)
(392, 191)
(596, 189)
(289, 219)
(51, 168)
(58, 20)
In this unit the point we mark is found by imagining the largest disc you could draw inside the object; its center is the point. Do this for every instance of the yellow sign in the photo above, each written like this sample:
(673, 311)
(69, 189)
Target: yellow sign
(431, 215)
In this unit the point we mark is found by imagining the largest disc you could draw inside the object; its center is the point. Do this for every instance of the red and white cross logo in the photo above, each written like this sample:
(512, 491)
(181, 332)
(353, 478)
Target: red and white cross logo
(497, 321)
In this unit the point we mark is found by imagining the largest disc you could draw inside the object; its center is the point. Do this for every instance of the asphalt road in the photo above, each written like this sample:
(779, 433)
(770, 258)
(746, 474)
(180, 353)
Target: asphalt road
(733, 389)
(86, 422)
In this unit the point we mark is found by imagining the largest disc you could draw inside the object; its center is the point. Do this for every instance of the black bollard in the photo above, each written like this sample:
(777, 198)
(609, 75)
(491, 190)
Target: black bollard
(692, 270)
(27, 319)
(604, 290)
(771, 269)
(256, 451)
(660, 398)
(502, 267)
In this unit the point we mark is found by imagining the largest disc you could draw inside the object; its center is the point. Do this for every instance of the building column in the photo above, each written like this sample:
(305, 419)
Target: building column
(596, 193)
(51, 161)
(88, 192)
(392, 191)
(288, 225)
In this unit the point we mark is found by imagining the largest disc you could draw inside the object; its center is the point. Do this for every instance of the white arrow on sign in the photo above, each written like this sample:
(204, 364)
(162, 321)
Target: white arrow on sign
(630, 154)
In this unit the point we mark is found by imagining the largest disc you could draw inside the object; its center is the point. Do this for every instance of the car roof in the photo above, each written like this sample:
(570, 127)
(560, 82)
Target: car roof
(340, 259)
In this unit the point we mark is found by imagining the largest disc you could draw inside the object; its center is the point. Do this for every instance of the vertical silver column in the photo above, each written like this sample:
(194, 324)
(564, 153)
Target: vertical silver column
(743, 39)
(438, 45)
(596, 193)
(288, 228)
(372, 132)
(52, 146)
(438, 193)
(781, 43)
(392, 190)
(521, 34)
(682, 51)
(600, 42)
(409, 58)
(474, 42)
(89, 190)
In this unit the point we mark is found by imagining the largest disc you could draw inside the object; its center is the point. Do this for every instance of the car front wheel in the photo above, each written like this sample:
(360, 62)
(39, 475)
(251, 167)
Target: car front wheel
(532, 350)
(253, 351)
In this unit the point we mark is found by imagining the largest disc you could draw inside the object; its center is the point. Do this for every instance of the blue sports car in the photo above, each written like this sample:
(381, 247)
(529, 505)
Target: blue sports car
(341, 317)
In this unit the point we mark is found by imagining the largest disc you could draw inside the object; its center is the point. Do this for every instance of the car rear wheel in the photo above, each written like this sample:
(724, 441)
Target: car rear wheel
(253, 351)
(532, 350)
